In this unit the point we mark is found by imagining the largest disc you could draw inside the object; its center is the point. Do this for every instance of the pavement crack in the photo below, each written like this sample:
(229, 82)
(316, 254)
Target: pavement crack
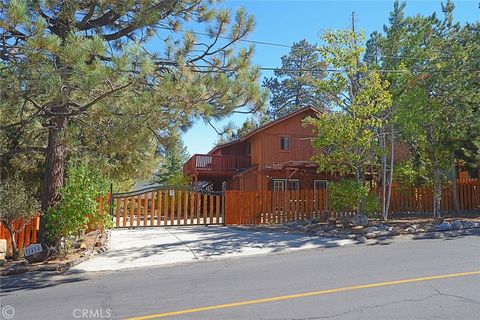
(455, 296)
(186, 245)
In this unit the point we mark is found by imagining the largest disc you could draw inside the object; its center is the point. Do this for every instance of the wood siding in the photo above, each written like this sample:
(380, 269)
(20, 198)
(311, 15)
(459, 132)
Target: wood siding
(265, 145)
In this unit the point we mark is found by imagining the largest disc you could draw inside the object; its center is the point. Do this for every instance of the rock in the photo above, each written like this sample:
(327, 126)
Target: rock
(372, 235)
(327, 227)
(371, 229)
(420, 230)
(361, 238)
(468, 224)
(380, 233)
(358, 230)
(98, 244)
(457, 224)
(292, 224)
(352, 236)
(39, 256)
(359, 220)
(444, 226)
(410, 230)
(332, 221)
(3, 249)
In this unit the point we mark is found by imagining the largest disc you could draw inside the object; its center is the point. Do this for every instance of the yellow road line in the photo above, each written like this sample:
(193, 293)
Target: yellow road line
(302, 295)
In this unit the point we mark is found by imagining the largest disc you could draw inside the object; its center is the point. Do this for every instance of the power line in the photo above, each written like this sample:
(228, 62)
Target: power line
(223, 69)
(227, 38)
(291, 46)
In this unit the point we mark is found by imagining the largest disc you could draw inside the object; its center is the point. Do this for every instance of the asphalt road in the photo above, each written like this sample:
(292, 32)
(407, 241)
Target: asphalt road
(294, 285)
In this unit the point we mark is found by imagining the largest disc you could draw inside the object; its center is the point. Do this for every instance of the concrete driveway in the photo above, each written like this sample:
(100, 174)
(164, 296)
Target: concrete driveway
(144, 247)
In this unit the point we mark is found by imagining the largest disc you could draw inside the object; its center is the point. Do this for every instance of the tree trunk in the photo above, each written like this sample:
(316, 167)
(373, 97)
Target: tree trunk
(12, 241)
(363, 200)
(384, 177)
(437, 192)
(392, 164)
(54, 167)
(453, 180)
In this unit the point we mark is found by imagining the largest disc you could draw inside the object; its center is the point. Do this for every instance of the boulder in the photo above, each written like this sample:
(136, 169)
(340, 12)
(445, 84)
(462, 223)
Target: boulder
(3, 249)
(410, 230)
(457, 224)
(332, 221)
(358, 230)
(469, 224)
(39, 256)
(359, 220)
(371, 229)
(444, 226)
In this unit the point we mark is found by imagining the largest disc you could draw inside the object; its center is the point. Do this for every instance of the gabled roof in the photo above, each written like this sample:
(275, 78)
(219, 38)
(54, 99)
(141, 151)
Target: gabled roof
(266, 126)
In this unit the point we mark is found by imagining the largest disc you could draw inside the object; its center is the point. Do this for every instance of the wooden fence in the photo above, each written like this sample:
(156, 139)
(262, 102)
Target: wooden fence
(162, 207)
(23, 238)
(420, 199)
(272, 207)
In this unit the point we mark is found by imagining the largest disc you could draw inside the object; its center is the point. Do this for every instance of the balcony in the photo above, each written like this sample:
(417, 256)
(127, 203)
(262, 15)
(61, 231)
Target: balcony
(215, 165)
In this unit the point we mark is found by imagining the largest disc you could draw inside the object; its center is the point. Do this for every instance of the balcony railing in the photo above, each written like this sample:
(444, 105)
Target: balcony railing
(216, 164)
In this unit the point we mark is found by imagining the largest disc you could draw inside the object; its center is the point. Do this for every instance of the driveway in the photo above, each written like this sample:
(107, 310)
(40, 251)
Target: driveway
(144, 247)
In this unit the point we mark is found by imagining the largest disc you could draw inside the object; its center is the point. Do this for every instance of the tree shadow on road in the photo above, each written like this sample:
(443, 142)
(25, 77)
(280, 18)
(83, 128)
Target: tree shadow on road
(35, 280)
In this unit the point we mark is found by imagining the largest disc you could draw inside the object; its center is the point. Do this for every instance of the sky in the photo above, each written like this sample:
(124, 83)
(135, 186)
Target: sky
(285, 22)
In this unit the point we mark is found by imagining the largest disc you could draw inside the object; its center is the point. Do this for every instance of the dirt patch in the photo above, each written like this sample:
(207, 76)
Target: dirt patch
(93, 243)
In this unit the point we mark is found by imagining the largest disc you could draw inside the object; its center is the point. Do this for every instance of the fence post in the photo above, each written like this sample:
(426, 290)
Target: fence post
(111, 200)
(224, 194)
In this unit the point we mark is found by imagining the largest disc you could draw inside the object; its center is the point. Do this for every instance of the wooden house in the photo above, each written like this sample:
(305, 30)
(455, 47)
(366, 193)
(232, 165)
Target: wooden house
(275, 156)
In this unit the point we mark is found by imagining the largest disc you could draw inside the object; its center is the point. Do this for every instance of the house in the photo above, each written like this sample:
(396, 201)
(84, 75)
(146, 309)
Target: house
(275, 156)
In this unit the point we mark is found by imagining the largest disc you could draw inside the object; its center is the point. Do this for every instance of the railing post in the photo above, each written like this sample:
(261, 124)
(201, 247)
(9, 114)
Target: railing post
(224, 194)
(111, 200)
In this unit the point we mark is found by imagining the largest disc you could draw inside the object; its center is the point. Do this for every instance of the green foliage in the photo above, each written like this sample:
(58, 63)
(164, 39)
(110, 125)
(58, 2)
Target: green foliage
(294, 84)
(170, 172)
(85, 70)
(345, 195)
(346, 138)
(17, 204)
(78, 206)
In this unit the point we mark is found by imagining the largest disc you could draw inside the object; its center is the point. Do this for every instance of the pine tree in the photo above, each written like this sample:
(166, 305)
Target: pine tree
(78, 75)
(293, 86)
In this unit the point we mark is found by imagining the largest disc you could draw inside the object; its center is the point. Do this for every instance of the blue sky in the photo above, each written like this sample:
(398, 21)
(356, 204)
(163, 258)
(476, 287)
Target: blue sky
(286, 22)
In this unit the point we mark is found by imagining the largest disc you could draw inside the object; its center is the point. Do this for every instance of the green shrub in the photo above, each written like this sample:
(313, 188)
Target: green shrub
(346, 195)
(17, 206)
(78, 206)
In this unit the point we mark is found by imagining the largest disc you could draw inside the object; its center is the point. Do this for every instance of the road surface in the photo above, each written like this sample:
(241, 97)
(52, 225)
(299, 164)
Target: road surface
(396, 278)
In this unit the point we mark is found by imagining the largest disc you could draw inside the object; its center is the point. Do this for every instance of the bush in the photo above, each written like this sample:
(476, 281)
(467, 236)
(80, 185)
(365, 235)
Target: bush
(78, 205)
(346, 195)
(17, 207)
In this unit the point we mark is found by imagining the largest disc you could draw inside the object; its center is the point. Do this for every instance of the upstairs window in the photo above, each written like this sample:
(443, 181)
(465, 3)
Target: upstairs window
(248, 148)
(293, 184)
(284, 144)
(278, 185)
(320, 184)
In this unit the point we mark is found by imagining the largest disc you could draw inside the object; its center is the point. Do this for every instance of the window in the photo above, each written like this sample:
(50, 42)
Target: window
(278, 185)
(284, 143)
(248, 147)
(320, 184)
(293, 184)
